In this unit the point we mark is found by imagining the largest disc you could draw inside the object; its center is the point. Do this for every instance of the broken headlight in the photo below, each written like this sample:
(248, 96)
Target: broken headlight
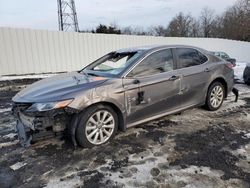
(48, 106)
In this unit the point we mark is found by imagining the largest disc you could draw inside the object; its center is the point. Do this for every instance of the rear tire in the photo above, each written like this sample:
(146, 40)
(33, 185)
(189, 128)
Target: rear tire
(96, 126)
(215, 96)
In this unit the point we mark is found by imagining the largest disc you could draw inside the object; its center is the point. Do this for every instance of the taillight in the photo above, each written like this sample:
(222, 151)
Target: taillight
(230, 65)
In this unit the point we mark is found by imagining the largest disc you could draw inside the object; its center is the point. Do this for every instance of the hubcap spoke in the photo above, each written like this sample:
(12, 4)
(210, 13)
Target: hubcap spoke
(101, 136)
(98, 115)
(104, 116)
(106, 132)
(96, 137)
(92, 133)
(92, 120)
(108, 126)
(108, 120)
(88, 128)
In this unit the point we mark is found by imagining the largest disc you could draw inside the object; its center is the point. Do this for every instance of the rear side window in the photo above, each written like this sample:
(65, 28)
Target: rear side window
(158, 62)
(190, 57)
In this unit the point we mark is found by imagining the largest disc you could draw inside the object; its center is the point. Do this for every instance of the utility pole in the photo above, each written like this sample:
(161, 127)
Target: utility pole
(67, 18)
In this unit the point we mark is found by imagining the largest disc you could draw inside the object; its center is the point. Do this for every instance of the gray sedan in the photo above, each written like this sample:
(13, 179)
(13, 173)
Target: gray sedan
(121, 89)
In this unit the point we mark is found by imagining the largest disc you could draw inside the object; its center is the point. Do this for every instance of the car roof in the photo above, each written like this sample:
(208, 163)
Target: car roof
(156, 47)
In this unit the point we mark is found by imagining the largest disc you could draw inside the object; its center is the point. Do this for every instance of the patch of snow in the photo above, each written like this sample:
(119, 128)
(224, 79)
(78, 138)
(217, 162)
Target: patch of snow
(57, 183)
(5, 110)
(7, 144)
(142, 175)
(47, 173)
(33, 76)
(193, 177)
(17, 166)
(243, 89)
(49, 141)
(243, 151)
(10, 136)
(247, 135)
(230, 104)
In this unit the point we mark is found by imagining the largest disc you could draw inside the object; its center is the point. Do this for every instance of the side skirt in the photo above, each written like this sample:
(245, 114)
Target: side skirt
(162, 115)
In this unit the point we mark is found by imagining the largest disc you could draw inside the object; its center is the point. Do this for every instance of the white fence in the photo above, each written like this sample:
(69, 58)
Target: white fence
(24, 51)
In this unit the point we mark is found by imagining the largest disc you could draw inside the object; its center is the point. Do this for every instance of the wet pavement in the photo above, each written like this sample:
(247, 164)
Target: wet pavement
(196, 148)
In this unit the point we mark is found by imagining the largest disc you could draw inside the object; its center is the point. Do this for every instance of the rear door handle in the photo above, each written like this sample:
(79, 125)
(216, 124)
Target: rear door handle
(174, 78)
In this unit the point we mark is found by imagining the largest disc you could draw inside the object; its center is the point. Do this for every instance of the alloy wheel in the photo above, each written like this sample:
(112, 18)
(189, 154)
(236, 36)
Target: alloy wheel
(99, 127)
(216, 97)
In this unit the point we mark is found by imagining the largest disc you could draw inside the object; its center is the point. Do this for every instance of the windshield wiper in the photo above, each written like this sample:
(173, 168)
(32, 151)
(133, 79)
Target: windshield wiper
(92, 74)
(85, 74)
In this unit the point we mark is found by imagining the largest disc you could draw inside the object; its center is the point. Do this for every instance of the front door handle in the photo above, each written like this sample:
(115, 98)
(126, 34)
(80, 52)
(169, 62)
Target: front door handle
(207, 70)
(136, 81)
(173, 78)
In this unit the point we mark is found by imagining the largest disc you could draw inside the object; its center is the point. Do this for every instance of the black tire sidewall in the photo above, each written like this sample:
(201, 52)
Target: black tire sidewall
(82, 120)
(208, 102)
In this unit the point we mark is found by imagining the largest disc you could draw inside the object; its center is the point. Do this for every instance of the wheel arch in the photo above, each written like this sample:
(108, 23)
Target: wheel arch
(75, 118)
(223, 82)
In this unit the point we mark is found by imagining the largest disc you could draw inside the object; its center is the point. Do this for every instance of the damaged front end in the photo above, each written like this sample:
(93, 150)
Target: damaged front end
(36, 125)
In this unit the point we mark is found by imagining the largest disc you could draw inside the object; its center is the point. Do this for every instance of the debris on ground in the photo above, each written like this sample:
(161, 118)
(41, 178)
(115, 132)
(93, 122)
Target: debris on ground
(17, 165)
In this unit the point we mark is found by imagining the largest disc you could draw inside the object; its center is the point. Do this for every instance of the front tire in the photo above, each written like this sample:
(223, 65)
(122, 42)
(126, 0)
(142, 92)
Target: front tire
(96, 126)
(215, 96)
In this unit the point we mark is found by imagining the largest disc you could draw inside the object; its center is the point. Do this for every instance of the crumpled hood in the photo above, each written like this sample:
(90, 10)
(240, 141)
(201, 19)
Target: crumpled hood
(57, 87)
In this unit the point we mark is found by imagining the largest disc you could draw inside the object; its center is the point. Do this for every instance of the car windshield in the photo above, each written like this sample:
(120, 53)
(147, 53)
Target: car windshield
(112, 63)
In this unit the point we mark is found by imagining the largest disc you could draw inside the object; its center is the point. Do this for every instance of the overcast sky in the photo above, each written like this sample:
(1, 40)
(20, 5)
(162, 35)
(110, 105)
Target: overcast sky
(42, 14)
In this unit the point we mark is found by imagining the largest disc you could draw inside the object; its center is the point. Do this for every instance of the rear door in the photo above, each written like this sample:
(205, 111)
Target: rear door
(152, 87)
(194, 75)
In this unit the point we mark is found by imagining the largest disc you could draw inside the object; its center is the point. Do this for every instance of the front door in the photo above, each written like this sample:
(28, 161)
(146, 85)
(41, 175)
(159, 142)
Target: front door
(152, 87)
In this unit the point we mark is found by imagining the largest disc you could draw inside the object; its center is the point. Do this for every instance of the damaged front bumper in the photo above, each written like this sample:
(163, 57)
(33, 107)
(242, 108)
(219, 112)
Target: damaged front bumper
(23, 133)
(33, 126)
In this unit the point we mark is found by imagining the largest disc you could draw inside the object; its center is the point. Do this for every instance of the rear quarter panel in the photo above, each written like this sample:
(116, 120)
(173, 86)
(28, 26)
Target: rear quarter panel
(220, 70)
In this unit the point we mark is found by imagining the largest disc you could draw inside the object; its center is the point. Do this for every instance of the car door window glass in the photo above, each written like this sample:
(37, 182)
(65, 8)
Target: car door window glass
(190, 57)
(224, 55)
(158, 62)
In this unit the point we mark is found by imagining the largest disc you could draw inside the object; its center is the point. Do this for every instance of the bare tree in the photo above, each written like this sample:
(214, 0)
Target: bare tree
(139, 31)
(180, 26)
(194, 28)
(127, 30)
(207, 21)
(217, 27)
(158, 31)
(234, 23)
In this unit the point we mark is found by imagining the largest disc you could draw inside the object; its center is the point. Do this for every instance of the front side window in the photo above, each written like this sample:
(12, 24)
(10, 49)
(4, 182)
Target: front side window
(190, 57)
(158, 62)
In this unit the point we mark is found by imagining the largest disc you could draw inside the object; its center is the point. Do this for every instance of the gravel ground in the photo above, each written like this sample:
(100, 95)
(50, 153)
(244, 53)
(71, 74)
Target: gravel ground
(196, 148)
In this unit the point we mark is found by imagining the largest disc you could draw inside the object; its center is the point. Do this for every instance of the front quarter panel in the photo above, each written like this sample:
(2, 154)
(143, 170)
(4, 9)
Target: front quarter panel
(110, 91)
